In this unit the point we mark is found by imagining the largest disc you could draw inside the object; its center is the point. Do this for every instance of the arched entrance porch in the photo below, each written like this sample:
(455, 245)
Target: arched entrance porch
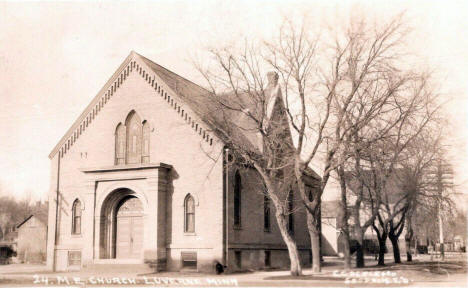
(122, 226)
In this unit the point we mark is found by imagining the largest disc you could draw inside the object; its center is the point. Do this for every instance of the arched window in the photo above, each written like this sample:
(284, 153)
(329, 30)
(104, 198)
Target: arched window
(76, 217)
(237, 199)
(189, 210)
(134, 133)
(266, 213)
(146, 142)
(120, 144)
(291, 211)
(132, 141)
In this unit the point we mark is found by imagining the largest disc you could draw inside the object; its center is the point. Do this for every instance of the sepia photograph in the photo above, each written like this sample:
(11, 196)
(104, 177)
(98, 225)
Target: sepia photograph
(211, 143)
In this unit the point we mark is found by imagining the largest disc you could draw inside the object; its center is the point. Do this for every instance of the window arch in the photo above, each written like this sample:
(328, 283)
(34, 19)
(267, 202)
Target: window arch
(146, 142)
(189, 211)
(132, 141)
(134, 132)
(76, 217)
(291, 211)
(237, 199)
(266, 213)
(120, 144)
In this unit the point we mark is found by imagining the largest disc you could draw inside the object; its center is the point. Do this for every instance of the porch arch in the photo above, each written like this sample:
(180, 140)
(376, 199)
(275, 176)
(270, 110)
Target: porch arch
(116, 225)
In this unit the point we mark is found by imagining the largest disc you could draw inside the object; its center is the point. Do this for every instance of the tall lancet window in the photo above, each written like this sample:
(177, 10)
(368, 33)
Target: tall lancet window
(237, 200)
(76, 217)
(134, 133)
(120, 144)
(189, 207)
(146, 142)
(132, 141)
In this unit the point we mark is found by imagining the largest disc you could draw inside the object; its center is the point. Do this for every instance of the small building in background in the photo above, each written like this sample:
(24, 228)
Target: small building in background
(330, 227)
(32, 239)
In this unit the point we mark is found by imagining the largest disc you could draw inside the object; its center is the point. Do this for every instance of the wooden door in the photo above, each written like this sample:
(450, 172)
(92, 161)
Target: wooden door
(129, 229)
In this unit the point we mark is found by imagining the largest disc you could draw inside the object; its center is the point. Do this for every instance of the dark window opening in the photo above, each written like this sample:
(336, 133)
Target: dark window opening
(238, 258)
(189, 260)
(74, 258)
(291, 212)
(267, 258)
(237, 200)
(266, 213)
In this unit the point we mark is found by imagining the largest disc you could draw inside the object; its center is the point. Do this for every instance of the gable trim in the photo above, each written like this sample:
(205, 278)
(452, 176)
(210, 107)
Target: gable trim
(151, 79)
(91, 111)
(89, 114)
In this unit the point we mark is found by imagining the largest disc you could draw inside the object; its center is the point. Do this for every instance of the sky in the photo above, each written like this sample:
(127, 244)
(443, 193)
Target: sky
(55, 57)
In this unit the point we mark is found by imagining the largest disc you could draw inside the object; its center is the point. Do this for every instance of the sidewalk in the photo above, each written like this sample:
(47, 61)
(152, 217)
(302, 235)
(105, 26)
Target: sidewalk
(421, 272)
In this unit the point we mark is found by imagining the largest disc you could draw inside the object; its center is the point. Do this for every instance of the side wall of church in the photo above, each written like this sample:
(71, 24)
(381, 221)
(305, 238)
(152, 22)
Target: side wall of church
(250, 240)
(197, 169)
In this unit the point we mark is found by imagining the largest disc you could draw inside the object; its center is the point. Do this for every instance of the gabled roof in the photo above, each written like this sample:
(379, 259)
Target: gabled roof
(39, 216)
(86, 112)
(202, 102)
(177, 88)
(182, 94)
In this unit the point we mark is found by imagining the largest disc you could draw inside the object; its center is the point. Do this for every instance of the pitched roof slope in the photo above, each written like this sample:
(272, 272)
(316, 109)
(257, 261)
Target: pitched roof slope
(39, 215)
(203, 103)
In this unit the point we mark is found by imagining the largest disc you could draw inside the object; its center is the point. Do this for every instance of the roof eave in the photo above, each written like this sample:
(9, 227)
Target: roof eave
(96, 99)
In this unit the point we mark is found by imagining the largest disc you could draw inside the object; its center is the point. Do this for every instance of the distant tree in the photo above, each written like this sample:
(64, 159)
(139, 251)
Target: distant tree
(14, 211)
(384, 106)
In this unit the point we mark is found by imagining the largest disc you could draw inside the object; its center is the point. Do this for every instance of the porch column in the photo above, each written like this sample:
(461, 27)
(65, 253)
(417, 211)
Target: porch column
(155, 221)
(150, 249)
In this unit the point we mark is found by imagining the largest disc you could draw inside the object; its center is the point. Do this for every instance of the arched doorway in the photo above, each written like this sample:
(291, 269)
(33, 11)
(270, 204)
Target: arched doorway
(129, 228)
(121, 226)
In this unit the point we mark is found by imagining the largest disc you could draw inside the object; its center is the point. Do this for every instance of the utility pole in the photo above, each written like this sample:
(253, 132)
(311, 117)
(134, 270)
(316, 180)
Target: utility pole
(440, 189)
(441, 235)
(444, 181)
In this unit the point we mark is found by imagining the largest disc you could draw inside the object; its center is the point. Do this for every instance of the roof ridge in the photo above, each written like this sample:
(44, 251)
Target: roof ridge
(170, 72)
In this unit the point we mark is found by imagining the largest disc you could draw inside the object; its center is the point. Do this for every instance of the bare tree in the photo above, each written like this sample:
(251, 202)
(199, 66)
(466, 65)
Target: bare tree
(294, 56)
(381, 106)
(347, 103)
(415, 164)
(250, 116)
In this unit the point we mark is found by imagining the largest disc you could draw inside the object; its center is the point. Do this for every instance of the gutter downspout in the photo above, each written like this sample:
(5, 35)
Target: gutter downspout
(54, 261)
(226, 190)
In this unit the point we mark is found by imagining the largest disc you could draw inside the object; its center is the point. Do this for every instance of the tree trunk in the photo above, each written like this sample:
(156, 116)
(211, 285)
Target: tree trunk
(314, 242)
(281, 220)
(294, 258)
(360, 250)
(409, 257)
(408, 238)
(382, 249)
(346, 250)
(343, 219)
(396, 249)
(416, 246)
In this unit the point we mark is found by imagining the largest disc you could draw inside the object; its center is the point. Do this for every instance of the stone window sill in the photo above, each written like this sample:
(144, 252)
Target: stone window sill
(190, 234)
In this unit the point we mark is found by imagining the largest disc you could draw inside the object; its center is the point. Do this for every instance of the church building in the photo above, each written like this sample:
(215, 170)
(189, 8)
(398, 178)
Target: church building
(140, 179)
